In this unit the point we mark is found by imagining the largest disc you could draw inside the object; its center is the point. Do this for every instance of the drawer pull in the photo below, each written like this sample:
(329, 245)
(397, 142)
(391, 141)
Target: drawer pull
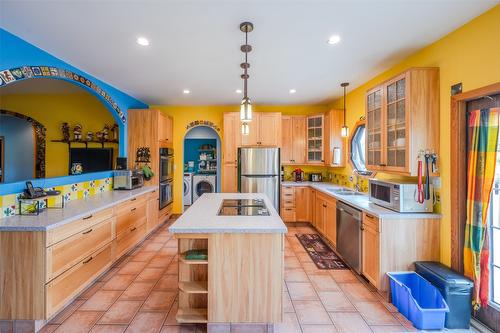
(87, 217)
(133, 209)
(288, 209)
(87, 232)
(87, 261)
(370, 216)
(133, 199)
(133, 229)
(288, 195)
(288, 201)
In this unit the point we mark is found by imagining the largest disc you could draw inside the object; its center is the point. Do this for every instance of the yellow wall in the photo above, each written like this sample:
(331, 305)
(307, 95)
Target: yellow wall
(183, 115)
(471, 55)
(52, 110)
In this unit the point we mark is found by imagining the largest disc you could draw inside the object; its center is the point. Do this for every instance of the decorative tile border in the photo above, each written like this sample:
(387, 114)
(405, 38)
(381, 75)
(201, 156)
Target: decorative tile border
(75, 191)
(11, 75)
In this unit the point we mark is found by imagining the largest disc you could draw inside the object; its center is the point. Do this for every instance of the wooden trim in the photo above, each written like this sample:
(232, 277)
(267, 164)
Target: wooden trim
(458, 141)
(2, 154)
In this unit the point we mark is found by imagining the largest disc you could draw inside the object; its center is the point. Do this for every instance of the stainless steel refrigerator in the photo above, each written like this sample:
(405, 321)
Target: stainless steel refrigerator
(259, 172)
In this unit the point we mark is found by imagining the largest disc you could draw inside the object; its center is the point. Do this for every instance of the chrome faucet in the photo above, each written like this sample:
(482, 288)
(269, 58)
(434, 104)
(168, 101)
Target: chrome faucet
(357, 187)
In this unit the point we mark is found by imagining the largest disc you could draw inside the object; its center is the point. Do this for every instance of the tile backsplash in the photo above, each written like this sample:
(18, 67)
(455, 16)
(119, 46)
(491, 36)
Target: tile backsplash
(9, 204)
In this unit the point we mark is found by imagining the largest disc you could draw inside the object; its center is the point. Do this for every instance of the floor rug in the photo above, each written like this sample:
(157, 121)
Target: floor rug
(321, 254)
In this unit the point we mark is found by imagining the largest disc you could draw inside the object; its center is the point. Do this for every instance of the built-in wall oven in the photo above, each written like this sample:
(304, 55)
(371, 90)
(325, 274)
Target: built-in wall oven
(166, 176)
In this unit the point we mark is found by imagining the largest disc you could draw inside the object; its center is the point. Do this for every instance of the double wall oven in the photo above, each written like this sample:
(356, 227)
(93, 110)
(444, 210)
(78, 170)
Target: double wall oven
(166, 176)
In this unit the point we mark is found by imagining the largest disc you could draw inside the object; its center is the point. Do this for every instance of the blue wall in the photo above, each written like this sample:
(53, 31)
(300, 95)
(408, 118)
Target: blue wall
(15, 52)
(191, 147)
(19, 147)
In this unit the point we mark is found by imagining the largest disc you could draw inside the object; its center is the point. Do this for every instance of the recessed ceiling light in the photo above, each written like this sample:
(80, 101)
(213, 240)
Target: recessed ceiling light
(186, 91)
(143, 41)
(292, 91)
(334, 39)
(238, 91)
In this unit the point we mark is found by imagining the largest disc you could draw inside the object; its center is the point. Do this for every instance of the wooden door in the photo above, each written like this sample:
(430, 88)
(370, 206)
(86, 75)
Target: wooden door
(374, 132)
(269, 129)
(232, 137)
(370, 252)
(230, 178)
(312, 206)
(164, 128)
(315, 139)
(302, 204)
(395, 127)
(286, 140)
(253, 136)
(331, 221)
(299, 139)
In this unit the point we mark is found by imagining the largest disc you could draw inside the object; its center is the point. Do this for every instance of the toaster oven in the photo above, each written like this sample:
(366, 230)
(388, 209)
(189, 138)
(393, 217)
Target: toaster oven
(127, 179)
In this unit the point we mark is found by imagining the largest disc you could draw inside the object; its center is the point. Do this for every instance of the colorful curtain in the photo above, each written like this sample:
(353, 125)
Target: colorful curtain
(482, 150)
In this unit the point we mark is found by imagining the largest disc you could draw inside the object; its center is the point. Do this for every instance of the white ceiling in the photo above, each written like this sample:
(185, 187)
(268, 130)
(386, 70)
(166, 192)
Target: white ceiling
(195, 43)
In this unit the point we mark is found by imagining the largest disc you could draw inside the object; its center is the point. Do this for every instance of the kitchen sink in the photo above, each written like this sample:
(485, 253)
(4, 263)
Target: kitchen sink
(343, 191)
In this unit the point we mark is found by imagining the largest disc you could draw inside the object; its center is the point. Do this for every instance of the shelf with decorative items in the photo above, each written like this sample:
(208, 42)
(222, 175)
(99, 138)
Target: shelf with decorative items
(109, 134)
(142, 161)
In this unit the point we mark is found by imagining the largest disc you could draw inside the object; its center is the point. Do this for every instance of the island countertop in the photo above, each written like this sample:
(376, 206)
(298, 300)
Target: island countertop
(202, 218)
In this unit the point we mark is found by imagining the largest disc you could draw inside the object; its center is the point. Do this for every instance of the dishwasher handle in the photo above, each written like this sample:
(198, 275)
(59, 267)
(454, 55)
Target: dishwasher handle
(354, 213)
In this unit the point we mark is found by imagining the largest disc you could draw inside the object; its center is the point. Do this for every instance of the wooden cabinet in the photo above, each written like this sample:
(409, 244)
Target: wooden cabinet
(230, 178)
(371, 249)
(149, 128)
(402, 120)
(130, 214)
(288, 203)
(315, 139)
(153, 218)
(264, 130)
(320, 212)
(331, 221)
(302, 203)
(293, 139)
(232, 137)
(334, 119)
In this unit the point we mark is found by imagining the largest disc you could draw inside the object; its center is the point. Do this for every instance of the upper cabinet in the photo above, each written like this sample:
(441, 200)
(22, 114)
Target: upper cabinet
(334, 146)
(293, 139)
(165, 129)
(402, 119)
(315, 139)
(265, 130)
(232, 137)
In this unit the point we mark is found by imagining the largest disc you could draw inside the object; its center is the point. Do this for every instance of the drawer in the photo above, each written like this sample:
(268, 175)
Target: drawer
(287, 190)
(66, 286)
(155, 195)
(371, 221)
(128, 240)
(288, 214)
(66, 253)
(287, 202)
(131, 203)
(58, 234)
(132, 216)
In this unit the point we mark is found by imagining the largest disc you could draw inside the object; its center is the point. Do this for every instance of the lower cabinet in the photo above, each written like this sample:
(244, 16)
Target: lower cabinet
(371, 249)
(331, 221)
(295, 204)
(60, 290)
(153, 218)
(230, 178)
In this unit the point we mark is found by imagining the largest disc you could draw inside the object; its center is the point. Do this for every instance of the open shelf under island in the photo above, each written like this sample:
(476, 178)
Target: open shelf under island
(241, 280)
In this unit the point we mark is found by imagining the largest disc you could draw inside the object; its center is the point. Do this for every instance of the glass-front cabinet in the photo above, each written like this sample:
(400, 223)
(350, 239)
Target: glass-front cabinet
(315, 133)
(402, 119)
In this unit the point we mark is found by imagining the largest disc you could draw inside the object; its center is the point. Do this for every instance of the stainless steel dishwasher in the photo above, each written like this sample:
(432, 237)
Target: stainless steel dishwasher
(349, 241)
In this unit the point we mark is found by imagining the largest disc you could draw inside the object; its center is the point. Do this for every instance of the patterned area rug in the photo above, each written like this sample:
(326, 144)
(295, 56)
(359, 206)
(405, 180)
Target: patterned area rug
(320, 252)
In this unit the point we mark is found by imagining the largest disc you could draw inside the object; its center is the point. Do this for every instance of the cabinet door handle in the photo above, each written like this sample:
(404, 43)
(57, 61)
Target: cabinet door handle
(87, 261)
(133, 229)
(133, 209)
(362, 228)
(87, 232)
(382, 165)
(288, 195)
(288, 209)
(324, 205)
(87, 217)
(370, 216)
(133, 199)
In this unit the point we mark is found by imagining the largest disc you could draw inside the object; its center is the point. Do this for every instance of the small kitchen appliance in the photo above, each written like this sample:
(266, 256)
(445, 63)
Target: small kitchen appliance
(402, 197)
(298, 175)
(127, 179)
(316, 177)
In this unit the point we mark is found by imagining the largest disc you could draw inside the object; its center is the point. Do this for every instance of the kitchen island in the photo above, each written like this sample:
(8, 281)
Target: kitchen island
(241, 280)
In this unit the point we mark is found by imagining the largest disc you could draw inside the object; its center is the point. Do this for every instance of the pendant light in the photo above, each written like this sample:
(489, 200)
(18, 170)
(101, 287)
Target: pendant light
(246, 104)
(345, 130)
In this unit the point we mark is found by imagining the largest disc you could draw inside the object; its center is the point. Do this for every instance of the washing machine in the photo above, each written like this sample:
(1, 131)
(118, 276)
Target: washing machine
(203, 184)
(188, 189)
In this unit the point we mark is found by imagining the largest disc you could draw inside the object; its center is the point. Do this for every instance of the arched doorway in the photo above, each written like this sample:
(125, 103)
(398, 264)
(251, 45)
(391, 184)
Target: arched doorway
(202, 163)
(11, 122)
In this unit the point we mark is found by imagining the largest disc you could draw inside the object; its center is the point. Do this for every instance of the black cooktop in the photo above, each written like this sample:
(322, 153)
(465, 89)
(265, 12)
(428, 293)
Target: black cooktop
(243, 207)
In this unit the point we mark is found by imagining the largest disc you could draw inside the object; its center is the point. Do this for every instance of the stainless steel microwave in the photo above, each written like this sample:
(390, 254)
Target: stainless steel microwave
(399, 196)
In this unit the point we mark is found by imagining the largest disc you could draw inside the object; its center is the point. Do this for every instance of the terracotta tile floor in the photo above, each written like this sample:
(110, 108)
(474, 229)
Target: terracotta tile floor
(139, 294)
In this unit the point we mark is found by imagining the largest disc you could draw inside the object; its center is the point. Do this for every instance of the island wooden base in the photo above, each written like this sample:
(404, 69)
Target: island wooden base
(241, 282)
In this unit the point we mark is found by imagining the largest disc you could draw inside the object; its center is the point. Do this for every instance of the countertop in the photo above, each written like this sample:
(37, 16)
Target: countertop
(73, 210)
(202, 217)
(361, 202)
